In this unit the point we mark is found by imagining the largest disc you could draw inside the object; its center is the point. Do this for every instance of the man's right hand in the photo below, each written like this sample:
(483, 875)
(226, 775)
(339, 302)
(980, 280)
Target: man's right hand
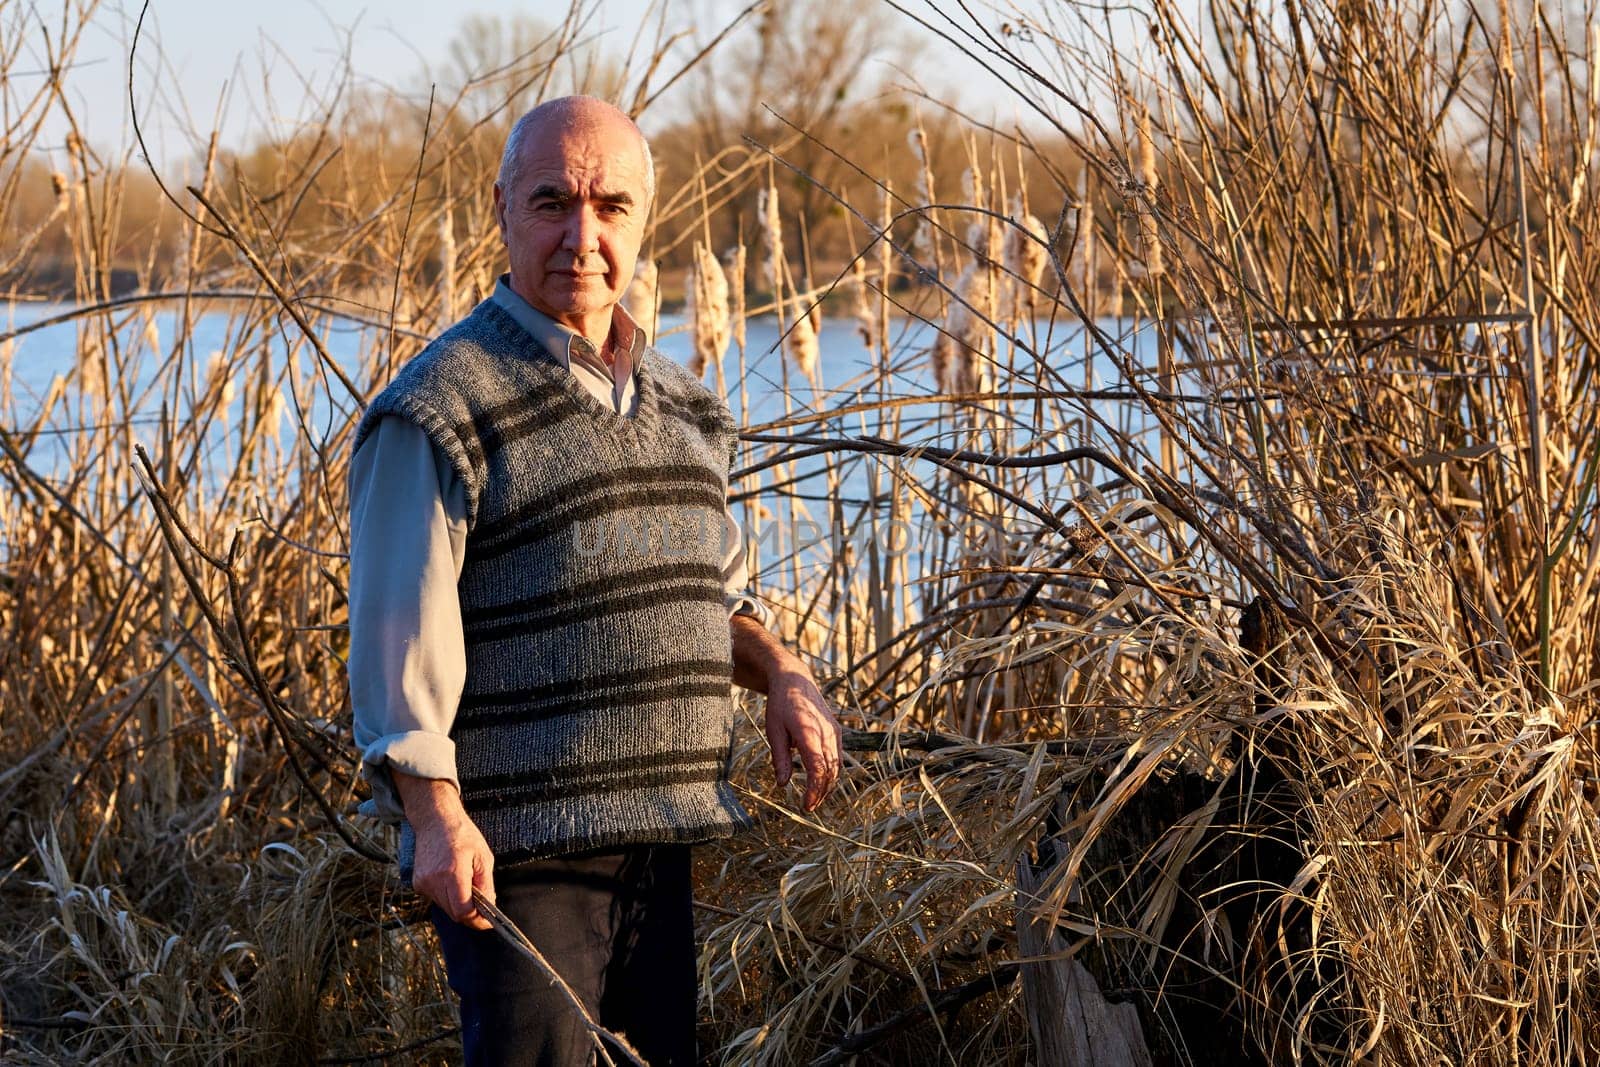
(452, 856)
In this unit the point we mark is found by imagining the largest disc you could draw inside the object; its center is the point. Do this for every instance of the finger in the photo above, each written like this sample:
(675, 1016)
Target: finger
(461, 908)
(483, 874)
(476, 919)
(811, 754)
(830, 764)
(778, 739)
(832, 740)
(484, 882)
(830, 748)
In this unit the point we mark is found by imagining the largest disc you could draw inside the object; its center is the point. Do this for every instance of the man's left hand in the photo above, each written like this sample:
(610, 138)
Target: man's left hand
(799, 722)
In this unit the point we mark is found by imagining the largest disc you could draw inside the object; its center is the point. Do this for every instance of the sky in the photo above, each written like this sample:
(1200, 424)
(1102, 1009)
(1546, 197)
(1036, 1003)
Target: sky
(271, 57)
(267, 57)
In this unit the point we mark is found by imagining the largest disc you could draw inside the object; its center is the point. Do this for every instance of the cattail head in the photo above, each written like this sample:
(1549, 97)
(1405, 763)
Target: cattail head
(1508, 65)
(1086, 260)
(944, 357)
(640, 299)
(772, 234)
(959, 362)
(981, 238)
(866, 315)
(917, 141)
(272, 417)
(219, 380)
(66, 193)
(708, 288)
(733, 264)
(1085, 211)
(950, 350)
(972, 187)
(922, 238)
(91, 367)
(1147, 152)
(803, 347)
(1025, 253)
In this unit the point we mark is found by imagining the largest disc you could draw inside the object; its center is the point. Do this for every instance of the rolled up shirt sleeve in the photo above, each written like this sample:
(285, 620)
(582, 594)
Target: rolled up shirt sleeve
(407, 661)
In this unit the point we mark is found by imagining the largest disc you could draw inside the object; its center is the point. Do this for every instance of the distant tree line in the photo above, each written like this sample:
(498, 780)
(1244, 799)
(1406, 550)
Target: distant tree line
(812, 82)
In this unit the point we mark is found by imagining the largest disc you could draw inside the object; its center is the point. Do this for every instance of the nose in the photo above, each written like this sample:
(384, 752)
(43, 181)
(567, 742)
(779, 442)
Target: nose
(582, 230)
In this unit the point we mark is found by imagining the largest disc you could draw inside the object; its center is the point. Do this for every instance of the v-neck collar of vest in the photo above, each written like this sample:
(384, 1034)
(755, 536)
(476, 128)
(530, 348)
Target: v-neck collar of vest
(645, 416)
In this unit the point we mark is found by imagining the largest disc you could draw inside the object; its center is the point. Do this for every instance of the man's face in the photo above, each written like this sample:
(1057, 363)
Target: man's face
(575, 219)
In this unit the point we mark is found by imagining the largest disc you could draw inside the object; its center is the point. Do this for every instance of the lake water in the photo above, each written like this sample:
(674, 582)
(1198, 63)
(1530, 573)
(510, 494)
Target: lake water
(35, 363)
(36, 359)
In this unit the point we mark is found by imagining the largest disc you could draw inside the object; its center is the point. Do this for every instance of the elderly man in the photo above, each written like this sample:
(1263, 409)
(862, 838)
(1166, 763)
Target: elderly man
(551, 721)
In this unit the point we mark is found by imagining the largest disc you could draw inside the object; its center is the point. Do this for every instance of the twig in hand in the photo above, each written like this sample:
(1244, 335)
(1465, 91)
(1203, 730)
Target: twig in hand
(518, 940)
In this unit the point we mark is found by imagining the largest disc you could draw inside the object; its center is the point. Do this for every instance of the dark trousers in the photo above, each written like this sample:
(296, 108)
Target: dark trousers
(618, 926)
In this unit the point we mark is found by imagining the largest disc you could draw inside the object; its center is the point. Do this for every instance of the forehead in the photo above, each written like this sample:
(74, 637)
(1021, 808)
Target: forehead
(592, 157)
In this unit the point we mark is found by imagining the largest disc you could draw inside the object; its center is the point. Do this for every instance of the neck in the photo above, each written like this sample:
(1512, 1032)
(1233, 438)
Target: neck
(594, 325)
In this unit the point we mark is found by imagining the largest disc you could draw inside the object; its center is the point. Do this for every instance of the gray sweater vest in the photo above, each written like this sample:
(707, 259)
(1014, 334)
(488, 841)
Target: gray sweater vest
(597, 710)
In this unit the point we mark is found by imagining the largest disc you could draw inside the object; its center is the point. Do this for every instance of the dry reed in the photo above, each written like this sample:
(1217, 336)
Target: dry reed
(1215, 655)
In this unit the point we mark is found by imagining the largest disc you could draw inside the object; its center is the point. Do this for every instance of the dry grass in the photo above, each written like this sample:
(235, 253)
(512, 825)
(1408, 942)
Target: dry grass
(1342, 390)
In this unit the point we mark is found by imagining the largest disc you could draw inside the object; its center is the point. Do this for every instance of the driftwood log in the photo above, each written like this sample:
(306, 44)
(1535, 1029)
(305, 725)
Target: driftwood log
(1072, 1022)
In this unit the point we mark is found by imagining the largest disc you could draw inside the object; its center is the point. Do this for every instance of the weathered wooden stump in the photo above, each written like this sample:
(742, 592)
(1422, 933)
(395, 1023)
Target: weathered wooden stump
(1072, 1021)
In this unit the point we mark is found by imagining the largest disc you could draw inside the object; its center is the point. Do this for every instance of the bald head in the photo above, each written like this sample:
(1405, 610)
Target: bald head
(571, 203)
(569, 115)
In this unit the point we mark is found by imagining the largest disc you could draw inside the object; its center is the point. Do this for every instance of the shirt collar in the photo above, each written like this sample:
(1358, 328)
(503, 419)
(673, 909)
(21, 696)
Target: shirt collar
(557, 339)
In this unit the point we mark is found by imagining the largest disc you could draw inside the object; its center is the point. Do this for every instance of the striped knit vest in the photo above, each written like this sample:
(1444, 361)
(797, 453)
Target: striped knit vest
(597, 711)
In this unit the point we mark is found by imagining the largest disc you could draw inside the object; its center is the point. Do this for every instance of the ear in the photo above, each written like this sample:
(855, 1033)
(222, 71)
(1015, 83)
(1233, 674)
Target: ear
(500, 210)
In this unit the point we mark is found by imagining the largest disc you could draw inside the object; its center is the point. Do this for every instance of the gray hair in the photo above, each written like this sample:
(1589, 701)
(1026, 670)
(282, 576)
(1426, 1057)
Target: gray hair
(511, 158)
